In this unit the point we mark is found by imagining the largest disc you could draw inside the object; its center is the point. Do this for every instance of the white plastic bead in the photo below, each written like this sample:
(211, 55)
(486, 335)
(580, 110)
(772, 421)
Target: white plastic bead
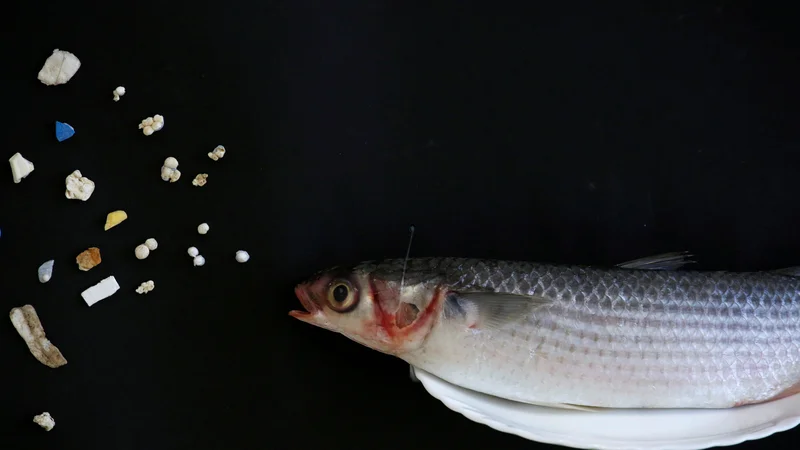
(193, 252)
(199, 260)
(148, 130)
(142, 251)
(203, 228)
(157, 126)
(242, 256)
(151, 244)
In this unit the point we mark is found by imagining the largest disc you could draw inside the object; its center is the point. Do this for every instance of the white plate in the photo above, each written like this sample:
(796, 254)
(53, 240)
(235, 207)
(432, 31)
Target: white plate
(653, 429)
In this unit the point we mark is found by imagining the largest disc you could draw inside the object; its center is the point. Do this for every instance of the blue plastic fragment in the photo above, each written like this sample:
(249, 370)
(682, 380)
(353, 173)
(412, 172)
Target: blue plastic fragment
(64, 131)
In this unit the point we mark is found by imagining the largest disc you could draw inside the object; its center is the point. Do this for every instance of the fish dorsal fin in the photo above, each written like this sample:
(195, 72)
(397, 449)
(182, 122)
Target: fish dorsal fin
(490, 310)
(789, 271)
(664, 261)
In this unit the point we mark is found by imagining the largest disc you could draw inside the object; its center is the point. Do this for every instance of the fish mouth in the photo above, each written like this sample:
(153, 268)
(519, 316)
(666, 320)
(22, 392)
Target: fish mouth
(310, 307)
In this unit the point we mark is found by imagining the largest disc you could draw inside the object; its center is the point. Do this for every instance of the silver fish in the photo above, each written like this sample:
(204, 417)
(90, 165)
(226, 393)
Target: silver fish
(642, 334)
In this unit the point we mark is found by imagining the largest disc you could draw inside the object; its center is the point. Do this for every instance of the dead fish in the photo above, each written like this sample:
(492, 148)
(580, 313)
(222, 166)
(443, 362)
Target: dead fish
(642, 334)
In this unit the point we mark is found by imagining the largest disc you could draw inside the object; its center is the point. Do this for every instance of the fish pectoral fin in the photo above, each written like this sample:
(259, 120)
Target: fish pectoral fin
(664, 261)
(490, 310)
(789, 271)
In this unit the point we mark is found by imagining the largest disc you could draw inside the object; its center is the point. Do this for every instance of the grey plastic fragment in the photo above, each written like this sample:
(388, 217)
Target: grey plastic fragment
(46, 271)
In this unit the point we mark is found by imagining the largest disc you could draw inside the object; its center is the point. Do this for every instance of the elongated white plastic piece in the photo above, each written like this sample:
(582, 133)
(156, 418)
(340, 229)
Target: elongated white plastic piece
(100, 291)
(29, 327)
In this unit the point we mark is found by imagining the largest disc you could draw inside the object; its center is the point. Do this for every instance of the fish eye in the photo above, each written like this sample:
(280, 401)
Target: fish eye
(341, 296)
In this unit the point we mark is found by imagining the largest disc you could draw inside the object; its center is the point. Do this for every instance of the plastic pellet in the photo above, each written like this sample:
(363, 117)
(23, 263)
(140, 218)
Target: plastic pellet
(151, 244)
(203, 228)
(199, 260)
(193, 252)
(142, 251)
(242, 256)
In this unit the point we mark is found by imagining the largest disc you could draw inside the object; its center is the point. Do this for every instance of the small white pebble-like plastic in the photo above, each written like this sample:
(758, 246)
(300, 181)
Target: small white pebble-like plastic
(199, 260)
(193, 251)
(118, 92)
(242, 256)
(142, 251)
(158, 126)
(171, 163)
(218, 153)
(146, 287)
(45, 420)
(203, 228)
(151, 244)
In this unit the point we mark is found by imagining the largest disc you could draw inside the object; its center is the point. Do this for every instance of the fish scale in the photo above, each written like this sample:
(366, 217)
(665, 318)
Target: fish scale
(616, 337)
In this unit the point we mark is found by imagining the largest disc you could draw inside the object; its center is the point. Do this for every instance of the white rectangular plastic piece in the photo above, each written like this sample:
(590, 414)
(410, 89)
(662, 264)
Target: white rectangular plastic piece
(100, 291)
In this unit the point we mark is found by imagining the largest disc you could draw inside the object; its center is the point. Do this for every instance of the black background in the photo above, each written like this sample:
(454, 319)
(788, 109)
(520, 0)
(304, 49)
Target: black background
(587, 132)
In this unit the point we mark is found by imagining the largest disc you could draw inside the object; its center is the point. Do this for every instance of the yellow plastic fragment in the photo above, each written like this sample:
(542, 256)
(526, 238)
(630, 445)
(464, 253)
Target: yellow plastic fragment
(115, 218)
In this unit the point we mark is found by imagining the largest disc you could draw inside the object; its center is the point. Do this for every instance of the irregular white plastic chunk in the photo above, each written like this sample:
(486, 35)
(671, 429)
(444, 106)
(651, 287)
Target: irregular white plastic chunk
(79, 187)
(59, 68)
(169, 170)
(242, 256)
(45, 420)
(203, 228)
(193, 251)
(142, 251)
(20, 167)
(100, 291)
(151, 244)
(218, 153)
(200, 180)
(199, 260)
(158, 122)
(46, 271)
(152, 124)
(118, 92)
(146, 287)
(26, 322)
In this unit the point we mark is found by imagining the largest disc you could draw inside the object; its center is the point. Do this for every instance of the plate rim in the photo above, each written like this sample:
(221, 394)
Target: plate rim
(471, 412)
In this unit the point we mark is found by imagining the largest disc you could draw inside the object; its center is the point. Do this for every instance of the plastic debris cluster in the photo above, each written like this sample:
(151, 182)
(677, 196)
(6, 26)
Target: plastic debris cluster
(59, 68)
(152, 124)
(169, 170)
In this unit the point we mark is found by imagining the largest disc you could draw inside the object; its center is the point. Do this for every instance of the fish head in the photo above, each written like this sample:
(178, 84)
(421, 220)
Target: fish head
(382, 310)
